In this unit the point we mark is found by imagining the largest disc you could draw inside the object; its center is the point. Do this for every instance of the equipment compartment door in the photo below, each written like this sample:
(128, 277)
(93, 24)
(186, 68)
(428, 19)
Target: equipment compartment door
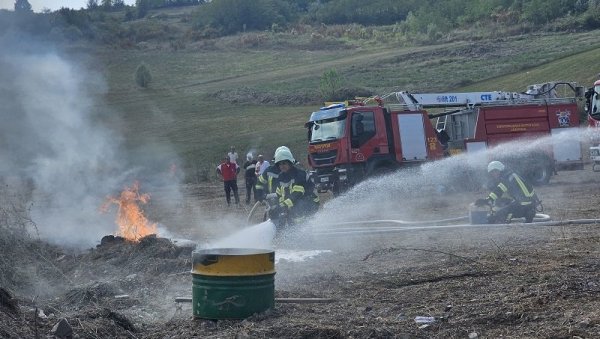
(412, 137)
(566, 145)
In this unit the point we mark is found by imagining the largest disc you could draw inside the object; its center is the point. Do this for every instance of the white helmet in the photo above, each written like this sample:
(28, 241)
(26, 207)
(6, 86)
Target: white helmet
(281, 148)
(283, 153)
(495, 166)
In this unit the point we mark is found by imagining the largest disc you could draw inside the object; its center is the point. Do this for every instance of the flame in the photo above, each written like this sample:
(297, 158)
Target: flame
(133, 225)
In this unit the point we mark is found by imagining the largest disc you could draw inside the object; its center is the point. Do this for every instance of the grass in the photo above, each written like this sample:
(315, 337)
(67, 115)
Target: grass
(181, 108)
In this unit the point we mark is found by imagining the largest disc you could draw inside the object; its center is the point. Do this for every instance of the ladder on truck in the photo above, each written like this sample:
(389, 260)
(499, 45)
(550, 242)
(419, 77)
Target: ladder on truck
(441, 122)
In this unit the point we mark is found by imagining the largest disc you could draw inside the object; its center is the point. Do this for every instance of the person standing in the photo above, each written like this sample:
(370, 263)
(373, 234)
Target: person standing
(228, 171)
(233, 156)
(250, 177)
(261, 165)
(511, 197)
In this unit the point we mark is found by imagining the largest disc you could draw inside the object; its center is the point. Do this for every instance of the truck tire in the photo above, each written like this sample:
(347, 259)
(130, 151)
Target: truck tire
(536, 168)
(539, 172)
(337, 190)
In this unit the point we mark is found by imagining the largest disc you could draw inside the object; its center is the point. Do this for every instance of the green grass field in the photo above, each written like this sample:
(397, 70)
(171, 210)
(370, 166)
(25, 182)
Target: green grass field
(192, 111)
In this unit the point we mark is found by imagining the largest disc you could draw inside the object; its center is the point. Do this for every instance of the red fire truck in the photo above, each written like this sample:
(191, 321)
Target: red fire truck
(592, 106)
(348, 143)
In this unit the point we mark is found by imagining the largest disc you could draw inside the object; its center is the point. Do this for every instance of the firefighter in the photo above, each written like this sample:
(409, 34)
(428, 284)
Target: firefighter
(511, 197)
(295, 197)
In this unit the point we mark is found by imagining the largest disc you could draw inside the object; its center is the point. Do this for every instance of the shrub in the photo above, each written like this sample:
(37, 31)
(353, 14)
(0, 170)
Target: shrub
(143, 76)
(330, 84)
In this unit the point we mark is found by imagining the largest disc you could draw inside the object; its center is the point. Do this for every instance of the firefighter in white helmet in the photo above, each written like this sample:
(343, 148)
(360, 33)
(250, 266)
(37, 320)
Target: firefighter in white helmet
(511, 196)
(294, 192)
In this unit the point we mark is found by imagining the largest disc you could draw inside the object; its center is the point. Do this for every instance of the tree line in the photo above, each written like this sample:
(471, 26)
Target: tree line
(428, 17)
(230, 16)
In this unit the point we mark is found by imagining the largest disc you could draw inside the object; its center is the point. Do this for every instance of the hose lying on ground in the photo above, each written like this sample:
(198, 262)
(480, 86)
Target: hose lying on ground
(414, 226)
(539, 217)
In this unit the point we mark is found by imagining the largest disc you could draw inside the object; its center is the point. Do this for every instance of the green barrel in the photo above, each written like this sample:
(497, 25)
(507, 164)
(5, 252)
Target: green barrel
(232, 283)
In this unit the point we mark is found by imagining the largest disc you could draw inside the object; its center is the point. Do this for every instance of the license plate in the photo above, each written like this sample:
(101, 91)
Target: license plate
(325, 179)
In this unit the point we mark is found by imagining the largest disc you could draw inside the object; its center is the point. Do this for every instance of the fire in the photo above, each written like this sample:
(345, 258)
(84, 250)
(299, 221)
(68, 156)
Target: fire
(133, 225)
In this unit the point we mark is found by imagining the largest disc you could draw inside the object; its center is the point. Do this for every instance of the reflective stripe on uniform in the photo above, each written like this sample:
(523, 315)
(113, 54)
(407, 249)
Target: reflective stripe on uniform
(523, 187)
(288, 202)
(297, 188)
(494, 196)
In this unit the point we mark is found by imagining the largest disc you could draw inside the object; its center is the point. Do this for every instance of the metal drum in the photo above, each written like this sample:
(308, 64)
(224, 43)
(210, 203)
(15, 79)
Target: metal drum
(232, 283)
(478, 215)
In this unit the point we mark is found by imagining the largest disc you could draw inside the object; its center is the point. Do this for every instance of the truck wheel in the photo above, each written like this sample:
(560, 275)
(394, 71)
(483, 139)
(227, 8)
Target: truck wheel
(540, 173)
(336, 190)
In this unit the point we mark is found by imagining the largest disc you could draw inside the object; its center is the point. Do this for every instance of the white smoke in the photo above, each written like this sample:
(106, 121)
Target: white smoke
(51, 136)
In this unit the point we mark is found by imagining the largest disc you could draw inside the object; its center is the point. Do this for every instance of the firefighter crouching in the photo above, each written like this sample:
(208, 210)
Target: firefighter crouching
(288, 191)
(511, 197)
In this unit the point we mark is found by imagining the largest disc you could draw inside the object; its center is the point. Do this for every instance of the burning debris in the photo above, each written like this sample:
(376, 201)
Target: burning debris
(133, 225)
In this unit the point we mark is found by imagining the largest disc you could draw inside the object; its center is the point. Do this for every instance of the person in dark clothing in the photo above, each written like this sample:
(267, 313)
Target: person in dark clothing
(511, 197)
(444, 139)
(294, 191)
(250, 177)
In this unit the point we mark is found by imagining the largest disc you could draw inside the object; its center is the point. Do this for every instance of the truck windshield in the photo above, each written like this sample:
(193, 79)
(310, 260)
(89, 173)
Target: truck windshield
(328, 129)
(595, 109)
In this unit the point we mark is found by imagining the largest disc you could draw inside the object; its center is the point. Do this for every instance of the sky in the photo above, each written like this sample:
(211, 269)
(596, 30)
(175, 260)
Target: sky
(53, 5)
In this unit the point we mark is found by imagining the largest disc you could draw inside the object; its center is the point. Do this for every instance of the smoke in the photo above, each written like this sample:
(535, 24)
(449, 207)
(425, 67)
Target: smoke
(52, 136)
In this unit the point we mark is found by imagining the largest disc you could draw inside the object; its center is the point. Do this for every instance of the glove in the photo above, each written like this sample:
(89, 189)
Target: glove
(283, 209)
(481, 202)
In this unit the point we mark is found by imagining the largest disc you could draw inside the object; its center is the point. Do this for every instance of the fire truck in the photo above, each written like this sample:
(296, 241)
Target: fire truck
(592, 107)
(350, 142)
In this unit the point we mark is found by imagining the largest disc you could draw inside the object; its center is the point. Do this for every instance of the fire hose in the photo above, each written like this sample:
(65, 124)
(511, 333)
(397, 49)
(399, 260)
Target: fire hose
(251, 213)
(270, 202)
(539, 220)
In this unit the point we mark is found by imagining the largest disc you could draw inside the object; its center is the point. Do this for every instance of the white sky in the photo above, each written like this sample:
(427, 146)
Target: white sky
(53, 5)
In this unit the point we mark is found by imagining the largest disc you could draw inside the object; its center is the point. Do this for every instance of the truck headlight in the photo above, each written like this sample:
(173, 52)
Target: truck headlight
(342, 174)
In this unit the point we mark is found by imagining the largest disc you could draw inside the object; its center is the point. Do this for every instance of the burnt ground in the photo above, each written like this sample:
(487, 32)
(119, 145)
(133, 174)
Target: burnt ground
(517, 281)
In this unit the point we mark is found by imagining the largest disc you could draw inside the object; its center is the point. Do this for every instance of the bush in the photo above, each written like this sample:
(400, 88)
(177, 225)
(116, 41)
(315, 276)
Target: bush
(143, 76)
(329, 85)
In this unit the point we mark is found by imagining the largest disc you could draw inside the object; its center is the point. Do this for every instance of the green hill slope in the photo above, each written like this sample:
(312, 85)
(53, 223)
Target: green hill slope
(205, 98)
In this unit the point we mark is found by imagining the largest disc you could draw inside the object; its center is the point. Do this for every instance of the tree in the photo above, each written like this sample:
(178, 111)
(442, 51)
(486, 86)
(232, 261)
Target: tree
(231, 16)
(330, 84)
(106, 5)
(92, 4)
(23, 6)
(142, 7)
(118, 4)
(143, 76)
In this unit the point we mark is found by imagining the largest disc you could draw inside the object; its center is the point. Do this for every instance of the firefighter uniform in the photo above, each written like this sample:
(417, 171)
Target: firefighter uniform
(512, 197)
(295, 193)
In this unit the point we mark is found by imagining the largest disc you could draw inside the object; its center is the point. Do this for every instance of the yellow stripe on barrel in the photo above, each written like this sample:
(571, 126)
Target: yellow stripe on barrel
(233, 262)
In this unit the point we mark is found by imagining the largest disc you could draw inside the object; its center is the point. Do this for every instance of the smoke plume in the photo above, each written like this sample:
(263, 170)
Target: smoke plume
(52, 138)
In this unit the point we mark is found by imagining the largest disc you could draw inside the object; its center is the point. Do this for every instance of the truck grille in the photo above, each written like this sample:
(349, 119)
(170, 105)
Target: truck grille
(325, 158)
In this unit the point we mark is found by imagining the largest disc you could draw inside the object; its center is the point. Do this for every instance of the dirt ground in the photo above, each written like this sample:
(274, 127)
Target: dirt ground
(517, 281)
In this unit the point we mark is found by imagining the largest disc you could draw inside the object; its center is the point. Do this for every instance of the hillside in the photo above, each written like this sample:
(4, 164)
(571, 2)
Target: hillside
(264, 93)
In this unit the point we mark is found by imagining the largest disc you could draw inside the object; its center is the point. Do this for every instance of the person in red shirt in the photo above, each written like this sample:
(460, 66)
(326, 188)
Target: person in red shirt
(228, 171)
